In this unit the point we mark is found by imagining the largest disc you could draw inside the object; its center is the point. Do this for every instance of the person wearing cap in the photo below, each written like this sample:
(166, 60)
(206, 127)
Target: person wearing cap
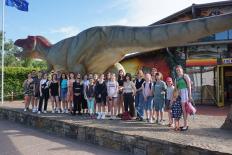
(170, 88)
(183, 84)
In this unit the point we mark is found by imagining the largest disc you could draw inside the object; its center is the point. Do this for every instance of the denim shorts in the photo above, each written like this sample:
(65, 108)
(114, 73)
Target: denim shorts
(159, 104)
(63, 93)
(148, 104)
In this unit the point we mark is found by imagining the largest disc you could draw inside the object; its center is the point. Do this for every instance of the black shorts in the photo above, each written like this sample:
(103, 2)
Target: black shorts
(37, 94)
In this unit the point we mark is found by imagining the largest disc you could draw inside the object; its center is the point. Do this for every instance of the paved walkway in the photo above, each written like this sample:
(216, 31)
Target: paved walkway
(19, 140)
(204, 129)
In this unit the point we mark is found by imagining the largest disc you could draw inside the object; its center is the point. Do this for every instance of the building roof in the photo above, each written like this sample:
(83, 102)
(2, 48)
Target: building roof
(190, 8)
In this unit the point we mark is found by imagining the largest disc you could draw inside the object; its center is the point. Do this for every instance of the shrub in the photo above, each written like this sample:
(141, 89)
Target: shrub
(13, 81)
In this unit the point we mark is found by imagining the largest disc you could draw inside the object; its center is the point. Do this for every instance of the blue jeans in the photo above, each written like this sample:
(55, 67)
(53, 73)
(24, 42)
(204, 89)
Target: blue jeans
(139, 103)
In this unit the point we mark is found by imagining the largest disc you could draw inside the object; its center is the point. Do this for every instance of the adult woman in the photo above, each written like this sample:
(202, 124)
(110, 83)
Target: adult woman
(70, 90)
(159, 90)
(112, 91)
(29, 87)
(54, 93)
(120, 91)
(183, 84)
(44, 93)
(63, 92)
(128, 94)
(139, 95)
(100, 97)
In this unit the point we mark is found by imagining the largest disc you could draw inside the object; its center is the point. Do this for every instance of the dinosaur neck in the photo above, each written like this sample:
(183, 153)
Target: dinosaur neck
(42, 50)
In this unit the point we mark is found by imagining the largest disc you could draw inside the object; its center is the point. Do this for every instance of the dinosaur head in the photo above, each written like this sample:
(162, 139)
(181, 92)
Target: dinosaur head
(29, 46)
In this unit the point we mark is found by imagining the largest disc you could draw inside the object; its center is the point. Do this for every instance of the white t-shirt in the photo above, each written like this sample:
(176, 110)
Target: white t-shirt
(112, 88)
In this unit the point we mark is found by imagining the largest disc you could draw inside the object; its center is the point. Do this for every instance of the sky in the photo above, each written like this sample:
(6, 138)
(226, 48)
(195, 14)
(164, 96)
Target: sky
(59, 19)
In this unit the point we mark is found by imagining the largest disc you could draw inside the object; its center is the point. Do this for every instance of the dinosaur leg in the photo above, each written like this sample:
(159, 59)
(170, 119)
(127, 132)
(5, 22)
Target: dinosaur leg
(115, 68)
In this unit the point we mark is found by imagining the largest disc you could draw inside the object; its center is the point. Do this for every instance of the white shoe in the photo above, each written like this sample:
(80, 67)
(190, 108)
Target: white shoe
(53, 111)
(66, 111)
(38, 112)
(58, 111)
(98, 115)
(45, 111)
(151, 121)
(25, 110)
(103, 116)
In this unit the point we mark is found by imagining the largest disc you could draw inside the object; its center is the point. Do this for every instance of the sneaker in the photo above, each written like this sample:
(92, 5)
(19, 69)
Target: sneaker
(151, 121)
(25, 110)
(38, 112)
(161, 122)
(66, 111)
(114, 117)
(98, 115)
(53, 111)
(45, 111)
(111, 117)
(103, 116)
(58, 111)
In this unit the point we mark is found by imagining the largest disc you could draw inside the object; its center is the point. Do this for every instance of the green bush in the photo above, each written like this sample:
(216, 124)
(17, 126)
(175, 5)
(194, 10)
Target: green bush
(13, 81)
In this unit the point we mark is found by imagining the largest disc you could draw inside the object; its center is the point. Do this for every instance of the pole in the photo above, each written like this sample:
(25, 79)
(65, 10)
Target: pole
(3, 52)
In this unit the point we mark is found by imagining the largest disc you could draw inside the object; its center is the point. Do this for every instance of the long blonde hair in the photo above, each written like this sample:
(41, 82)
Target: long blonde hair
(175, 93)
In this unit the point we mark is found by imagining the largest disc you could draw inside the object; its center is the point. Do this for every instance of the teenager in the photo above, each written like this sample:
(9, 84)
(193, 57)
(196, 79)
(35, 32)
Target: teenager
(107, 79)
(63, 92)
(29, 87)
(36, 92)
(159, 90)
(44, 93)
(139, 95)
(128, 94)
(89, 93)
(120, 91)
(183, 84)
(54, 93)
(77, 96)
(85, 83)
(100, 97)
(112, 92)
(70, 90)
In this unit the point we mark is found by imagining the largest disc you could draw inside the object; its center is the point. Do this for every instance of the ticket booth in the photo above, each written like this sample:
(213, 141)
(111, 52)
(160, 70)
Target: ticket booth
(224, 82)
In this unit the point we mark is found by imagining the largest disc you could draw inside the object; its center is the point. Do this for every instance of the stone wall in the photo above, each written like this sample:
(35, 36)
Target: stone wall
(137, 145)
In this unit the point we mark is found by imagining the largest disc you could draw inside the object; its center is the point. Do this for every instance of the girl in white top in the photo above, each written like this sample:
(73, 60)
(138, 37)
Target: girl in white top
(168, 105)
(112, 91)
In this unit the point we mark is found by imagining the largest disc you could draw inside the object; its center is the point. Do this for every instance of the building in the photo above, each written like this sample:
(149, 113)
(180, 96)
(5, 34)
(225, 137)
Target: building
(208, 60)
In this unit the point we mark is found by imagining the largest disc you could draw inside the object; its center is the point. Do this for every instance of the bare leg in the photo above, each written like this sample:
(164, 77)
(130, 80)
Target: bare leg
(184, 114)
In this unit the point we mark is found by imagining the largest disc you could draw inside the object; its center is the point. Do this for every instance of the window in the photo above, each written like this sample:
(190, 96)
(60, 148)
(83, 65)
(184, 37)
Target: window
(221, 35)
(230, 34)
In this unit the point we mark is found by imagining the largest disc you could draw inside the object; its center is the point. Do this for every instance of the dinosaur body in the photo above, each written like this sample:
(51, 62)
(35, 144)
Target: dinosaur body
(99, 48)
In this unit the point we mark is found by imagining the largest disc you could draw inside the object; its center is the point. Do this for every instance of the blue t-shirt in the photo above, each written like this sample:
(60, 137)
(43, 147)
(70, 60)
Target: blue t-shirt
(64, 83)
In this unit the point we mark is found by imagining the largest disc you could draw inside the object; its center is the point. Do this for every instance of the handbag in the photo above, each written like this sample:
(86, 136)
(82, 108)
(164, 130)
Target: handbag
(190, 109)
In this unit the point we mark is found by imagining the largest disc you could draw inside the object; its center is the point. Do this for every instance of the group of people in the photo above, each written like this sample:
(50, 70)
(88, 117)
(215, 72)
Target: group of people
(144, 98)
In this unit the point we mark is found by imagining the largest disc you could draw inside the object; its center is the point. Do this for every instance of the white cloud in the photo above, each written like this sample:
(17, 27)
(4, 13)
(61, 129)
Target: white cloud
(67, 31)
(145, 12)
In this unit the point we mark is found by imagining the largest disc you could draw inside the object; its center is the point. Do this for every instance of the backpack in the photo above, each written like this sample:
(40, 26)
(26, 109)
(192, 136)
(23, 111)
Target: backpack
(126, 116)
(149, 85)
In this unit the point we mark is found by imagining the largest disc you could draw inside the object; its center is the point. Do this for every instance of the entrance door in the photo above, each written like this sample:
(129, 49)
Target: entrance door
(228, 85)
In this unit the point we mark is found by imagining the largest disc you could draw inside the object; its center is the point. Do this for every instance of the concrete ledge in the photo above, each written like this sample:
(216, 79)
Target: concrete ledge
(138, 145)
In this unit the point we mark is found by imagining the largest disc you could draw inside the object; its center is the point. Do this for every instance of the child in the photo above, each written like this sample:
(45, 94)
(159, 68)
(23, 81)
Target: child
(77, 96)
(170, 89)
(160, 88)
(112, 91)
(89, 96)
(176, 108)
(148, 96)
